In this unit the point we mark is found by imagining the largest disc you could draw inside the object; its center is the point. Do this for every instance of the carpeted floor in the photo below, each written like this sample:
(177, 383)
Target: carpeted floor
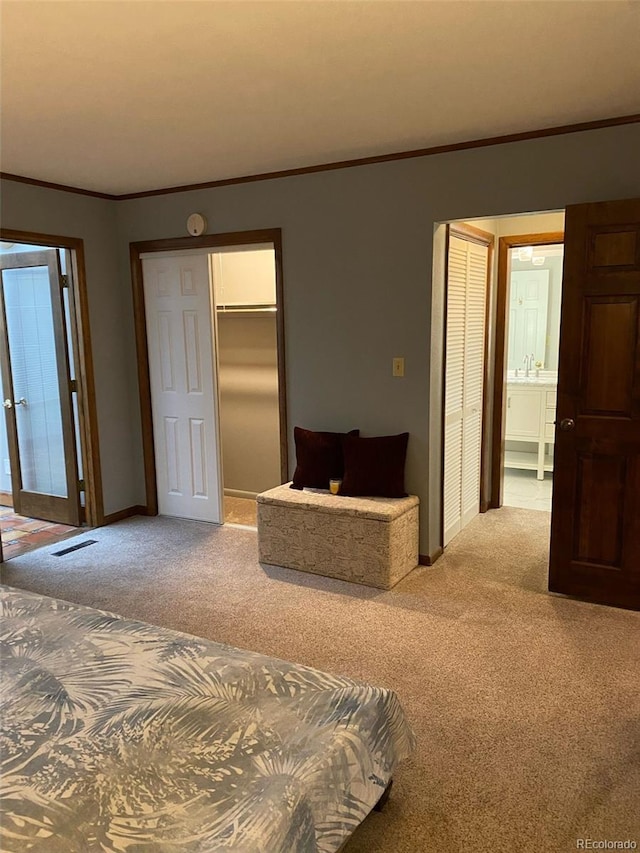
(525, 705)
(240, 511)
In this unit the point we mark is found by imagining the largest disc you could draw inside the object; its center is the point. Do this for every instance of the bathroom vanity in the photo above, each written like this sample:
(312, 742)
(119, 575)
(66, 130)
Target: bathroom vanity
(531, 415)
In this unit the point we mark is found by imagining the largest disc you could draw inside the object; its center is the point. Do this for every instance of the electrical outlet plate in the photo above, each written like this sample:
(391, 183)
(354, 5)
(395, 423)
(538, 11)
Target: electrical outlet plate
(398, 366)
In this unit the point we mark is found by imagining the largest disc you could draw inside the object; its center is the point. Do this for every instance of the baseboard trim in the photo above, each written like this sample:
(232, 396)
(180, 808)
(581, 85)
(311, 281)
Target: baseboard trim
(238, 493)
(6, 499)
(125, 513)
(429, 559)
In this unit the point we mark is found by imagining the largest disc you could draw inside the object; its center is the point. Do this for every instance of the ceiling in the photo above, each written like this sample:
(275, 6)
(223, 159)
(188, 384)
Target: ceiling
(131, 95)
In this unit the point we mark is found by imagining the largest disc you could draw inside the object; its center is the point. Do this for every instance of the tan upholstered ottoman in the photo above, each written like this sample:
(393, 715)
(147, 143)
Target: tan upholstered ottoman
(373, 541)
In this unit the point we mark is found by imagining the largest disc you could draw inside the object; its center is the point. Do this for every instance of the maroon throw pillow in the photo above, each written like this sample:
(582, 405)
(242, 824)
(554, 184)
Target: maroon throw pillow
(374, 467)
(318, 457)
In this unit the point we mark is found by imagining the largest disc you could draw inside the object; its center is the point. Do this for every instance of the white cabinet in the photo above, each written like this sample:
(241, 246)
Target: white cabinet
(531, 414)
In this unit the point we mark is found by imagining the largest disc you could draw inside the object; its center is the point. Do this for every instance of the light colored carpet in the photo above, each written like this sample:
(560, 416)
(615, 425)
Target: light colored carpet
(240, 511)
(525, 704)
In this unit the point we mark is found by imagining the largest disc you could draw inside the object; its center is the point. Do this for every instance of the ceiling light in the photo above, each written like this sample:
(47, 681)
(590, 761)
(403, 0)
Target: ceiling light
(538, 260)
(525, 253)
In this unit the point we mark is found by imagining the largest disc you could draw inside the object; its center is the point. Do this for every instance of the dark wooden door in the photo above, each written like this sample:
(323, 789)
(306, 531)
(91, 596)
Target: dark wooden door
(595, 528)
(37, 387)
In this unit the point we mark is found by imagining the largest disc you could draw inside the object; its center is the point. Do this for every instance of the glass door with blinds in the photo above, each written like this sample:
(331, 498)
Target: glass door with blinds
(37, 385)
(467, 270)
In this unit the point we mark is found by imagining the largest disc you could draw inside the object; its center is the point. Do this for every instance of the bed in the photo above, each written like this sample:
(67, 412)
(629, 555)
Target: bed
(121, 736)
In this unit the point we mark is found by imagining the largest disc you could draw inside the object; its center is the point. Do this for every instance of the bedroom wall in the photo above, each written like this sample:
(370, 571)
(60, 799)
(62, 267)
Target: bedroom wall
(46, 211)
(357, 262)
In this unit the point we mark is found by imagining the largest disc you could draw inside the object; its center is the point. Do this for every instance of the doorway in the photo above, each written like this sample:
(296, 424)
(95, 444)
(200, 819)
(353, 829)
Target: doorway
(595, 513)
(244, 290)
(498, 312)
(210, 337)
(529, 292)
(48, 477)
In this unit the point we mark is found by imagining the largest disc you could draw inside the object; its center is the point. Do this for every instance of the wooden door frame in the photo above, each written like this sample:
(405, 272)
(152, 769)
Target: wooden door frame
(209, 242)
(83, 359)
(484, 238)
(496, 426)
(33, 504)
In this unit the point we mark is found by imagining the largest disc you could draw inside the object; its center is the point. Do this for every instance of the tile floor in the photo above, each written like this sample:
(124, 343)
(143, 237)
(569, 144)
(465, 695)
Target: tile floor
(523, 489)
(21, 534)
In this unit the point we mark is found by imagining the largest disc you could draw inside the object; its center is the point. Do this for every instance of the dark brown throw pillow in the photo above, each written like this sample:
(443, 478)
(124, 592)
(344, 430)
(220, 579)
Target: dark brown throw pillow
(318, 457)
(374, 467)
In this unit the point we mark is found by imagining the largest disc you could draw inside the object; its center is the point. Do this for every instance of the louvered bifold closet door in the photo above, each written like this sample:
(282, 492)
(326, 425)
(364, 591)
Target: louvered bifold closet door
(477, 257)
(454, 386)
(465, 333)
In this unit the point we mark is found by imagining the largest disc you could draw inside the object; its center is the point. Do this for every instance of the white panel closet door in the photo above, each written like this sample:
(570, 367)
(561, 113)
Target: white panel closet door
(464, 382)
(183, 385)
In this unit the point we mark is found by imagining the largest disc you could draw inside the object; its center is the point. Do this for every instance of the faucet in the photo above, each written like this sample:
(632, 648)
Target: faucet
(528, 363)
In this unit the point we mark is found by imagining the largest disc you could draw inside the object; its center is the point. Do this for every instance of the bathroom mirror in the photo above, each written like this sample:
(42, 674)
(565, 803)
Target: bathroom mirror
(535, 287)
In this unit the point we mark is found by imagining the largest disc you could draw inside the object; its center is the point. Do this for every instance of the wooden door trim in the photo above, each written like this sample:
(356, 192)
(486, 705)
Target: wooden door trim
(497, 367)
(464, 231)
(88, 415)
(469, 232)
(66, 510)
(209, 242)
(64, 383)
(11, 427)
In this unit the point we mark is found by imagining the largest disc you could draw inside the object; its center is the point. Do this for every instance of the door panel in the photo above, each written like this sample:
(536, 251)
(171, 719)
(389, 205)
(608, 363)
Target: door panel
(611, 328)
(528, 301)
(595, 536)
(464, 383)
(37, 388)
(183, 390)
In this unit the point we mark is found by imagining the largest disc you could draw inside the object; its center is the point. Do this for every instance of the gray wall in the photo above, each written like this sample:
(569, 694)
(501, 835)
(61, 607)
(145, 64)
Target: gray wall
(357, 257)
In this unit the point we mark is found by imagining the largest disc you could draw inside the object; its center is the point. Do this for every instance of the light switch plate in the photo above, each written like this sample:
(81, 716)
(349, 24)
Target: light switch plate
(398, 366)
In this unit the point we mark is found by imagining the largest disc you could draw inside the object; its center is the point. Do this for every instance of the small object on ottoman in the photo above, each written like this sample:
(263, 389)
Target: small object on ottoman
(372, 541)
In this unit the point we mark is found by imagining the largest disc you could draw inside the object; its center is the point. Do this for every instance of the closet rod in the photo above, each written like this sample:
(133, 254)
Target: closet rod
(246, 309)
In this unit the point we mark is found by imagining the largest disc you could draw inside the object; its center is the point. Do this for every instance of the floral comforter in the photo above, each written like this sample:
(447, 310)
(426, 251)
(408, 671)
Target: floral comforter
(120, 736)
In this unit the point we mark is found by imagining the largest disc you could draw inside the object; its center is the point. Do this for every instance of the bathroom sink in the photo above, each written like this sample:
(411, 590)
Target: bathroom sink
(548, 379)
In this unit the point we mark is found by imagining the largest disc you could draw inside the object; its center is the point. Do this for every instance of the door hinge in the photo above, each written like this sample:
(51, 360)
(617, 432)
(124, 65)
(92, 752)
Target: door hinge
(64, 281)
(81, 486)
(73, 386)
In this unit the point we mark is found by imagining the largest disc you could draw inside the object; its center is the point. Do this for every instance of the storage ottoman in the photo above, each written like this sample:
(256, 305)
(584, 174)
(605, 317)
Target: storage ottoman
(372, 541)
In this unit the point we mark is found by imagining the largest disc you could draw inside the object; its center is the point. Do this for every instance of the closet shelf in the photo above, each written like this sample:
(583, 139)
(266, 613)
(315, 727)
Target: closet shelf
(246, 310)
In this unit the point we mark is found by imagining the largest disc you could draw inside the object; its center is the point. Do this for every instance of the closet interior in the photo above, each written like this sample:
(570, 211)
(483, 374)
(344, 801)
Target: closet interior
(244, 287)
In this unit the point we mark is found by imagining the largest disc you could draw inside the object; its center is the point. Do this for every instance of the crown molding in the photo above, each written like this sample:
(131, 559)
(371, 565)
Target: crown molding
(23, 179)
(342, 164)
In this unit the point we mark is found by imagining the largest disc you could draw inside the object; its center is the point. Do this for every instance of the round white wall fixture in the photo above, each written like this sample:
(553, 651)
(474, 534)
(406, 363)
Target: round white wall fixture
(196, 224)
